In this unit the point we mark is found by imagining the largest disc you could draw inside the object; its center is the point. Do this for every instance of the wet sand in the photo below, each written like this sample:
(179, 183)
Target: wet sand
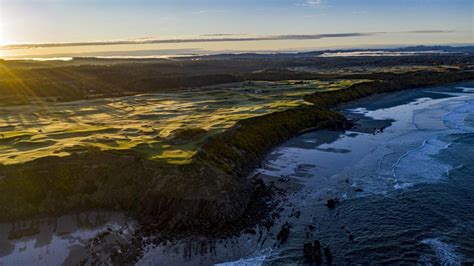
(57, 241)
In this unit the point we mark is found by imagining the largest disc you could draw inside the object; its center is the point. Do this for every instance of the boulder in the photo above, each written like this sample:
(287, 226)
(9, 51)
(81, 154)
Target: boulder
(284, 233)
(308, 251)
(331, 203)
(328, 255)
(318, 258)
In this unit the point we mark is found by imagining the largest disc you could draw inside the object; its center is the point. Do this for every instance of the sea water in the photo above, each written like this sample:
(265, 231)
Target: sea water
(405, 182)
(403, 177)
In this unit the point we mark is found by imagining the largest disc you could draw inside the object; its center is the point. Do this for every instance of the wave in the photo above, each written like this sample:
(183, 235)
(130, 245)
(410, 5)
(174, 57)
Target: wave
(457, 118)
(419, 165)
(466, 89)
(445, 252)
(256, 259)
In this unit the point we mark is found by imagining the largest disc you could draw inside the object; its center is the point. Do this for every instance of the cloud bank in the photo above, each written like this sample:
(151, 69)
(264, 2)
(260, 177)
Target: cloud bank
(209, 39)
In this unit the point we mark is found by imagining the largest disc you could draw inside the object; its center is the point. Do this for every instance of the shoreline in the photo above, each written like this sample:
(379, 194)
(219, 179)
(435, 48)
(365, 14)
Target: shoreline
(357, 169)
(285, 184)
(294, 188)
(220, 167)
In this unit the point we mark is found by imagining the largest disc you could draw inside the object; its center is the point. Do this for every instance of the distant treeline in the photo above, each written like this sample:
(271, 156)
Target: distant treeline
(92, 78)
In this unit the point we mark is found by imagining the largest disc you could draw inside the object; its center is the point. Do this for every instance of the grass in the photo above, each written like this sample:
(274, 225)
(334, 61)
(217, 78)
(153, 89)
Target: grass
(145, 123)
(177, 193)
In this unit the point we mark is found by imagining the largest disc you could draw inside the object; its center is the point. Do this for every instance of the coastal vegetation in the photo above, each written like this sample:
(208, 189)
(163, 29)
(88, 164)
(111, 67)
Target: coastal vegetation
(89, 78)
(177, 160)
(165, 127)
(388, 82)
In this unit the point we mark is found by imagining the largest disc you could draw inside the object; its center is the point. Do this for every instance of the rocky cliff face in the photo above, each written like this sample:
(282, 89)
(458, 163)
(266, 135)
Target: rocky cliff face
(238, 150)
(210, 194)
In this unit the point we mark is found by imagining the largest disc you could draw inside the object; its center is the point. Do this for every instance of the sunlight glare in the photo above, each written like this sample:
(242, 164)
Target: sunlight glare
(1, 34)
(2, 42)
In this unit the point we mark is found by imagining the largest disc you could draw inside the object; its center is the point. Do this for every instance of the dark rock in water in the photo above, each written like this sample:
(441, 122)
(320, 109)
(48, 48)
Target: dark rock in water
(332, 203)
(296, 214)
(318, 258)
(284, 233)
(328, 255)
(250, 231)
(311, 227)
(359, 190)
(308, 251)
(284, 179)
(351, 237)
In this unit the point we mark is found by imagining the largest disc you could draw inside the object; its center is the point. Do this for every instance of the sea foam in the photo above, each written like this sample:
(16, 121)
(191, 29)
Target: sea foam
(446, 253)
(418, 165)
(256, 259)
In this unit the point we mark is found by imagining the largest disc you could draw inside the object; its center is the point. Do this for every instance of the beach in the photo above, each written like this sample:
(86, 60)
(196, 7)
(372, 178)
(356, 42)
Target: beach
(400, 178)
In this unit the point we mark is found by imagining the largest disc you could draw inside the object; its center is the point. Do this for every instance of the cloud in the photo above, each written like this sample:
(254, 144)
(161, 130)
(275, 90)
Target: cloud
(222, 35)
(209, 39)
(315, 3)
(428, 31)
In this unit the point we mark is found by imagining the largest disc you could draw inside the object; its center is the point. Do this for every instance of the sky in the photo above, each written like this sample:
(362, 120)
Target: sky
(69, 27)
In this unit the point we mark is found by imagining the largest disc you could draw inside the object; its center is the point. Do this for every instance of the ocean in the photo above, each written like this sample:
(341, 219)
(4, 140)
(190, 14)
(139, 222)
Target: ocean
(404, 178)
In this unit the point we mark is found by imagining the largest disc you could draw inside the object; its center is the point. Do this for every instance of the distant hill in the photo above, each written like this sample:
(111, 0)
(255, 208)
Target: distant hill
(447, 49)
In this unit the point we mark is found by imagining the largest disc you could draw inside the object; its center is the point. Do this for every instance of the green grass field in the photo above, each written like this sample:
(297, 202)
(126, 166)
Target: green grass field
(147, 123)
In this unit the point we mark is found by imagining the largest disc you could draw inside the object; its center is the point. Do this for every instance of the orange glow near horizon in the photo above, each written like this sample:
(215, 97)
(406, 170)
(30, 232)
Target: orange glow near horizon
(367, 25)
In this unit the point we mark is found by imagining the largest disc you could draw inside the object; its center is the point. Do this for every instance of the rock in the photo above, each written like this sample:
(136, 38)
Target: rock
(284, 233)
(318, 258)
(359, 190)
(250, 231)
(328, 255)
(311, 227)
(331, 203)
(308, 251)
(296, 214)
